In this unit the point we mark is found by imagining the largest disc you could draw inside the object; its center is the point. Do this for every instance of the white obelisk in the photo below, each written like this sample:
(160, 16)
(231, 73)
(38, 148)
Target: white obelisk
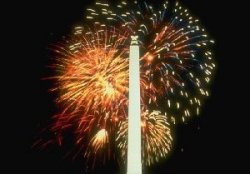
(134, 164)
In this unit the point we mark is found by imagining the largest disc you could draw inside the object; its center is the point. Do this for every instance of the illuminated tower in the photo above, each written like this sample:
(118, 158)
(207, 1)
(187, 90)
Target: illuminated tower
(134, 164)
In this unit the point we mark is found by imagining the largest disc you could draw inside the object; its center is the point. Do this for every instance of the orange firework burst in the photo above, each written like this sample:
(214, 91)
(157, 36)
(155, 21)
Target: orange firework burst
(92, 84)
(93, 70)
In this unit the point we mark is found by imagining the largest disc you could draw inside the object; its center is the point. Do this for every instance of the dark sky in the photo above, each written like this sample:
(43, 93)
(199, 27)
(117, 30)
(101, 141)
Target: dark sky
(207, 144)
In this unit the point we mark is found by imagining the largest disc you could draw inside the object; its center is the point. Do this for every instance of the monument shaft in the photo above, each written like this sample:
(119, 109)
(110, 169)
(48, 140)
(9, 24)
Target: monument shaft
(134, 164)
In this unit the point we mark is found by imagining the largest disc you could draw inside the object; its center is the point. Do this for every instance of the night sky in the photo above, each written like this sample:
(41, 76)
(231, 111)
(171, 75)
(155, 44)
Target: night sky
(205, 145)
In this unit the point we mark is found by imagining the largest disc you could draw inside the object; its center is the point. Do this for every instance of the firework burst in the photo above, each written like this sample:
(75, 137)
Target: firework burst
(92, 87)
(176, 59)
(156, 137)
(176, 66)
(93, 70)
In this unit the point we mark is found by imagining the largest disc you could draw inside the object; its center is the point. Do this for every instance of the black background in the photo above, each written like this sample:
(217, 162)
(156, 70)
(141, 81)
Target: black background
(211, 143)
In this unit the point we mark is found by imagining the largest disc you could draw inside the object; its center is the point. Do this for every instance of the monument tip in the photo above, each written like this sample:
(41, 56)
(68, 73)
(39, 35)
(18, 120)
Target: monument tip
(134, 40)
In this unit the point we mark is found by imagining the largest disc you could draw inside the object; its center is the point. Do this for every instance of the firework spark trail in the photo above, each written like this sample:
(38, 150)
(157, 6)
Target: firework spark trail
(176, 67)
(98, 147)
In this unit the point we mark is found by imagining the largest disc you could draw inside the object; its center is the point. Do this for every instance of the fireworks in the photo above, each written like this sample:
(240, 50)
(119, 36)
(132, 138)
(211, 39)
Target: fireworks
(176, 67)
(98, 146)
(176, 60)
(92, 83)
(156, 136)
(93, 70)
